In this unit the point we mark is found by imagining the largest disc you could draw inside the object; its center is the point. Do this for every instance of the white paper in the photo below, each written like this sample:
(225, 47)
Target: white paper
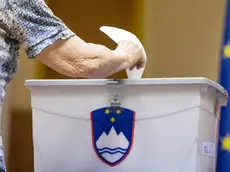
(118, 35)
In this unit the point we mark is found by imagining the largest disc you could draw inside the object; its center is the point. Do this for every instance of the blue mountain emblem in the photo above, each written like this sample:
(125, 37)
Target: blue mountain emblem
(112, 133)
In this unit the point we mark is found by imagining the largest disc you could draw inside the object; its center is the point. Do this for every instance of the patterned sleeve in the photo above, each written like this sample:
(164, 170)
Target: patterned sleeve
(35, 26)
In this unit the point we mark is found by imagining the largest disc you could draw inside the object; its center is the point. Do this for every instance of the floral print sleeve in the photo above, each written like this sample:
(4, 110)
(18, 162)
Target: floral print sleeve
(29, 23)
(36, 26)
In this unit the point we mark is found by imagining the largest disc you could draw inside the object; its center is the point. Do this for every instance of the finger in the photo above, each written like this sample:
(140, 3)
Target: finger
(131, 68)
(123, 66)
(140, 65)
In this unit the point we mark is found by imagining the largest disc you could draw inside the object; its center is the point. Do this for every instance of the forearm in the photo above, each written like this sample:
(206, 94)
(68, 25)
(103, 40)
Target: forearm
(46, 37)
(59, 56)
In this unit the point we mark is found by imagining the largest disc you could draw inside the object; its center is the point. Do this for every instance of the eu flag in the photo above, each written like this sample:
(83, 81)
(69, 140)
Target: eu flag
(223, 159)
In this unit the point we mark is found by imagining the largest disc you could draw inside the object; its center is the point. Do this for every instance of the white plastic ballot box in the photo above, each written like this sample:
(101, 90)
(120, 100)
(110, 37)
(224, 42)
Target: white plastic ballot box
(130, 125)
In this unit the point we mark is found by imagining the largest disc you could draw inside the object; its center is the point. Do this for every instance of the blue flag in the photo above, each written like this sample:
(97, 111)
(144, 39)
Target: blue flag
(223, 159)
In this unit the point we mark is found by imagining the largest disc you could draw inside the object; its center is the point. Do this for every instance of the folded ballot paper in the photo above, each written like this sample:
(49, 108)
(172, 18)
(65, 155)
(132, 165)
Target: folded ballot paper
(118, 35)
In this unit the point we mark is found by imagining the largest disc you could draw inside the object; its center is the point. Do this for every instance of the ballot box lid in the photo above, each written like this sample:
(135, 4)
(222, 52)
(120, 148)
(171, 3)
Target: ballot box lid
(144, 81)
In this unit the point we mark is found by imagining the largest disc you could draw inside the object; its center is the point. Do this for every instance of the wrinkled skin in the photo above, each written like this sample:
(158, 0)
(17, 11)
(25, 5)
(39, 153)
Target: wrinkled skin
(75, 58)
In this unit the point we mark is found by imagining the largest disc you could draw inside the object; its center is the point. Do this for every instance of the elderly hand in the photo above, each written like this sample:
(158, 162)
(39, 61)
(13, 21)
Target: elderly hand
(75, 58)
(136, 54)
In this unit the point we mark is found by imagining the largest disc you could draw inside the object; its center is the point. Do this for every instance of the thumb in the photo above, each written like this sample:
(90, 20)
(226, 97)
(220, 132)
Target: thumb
(125, 65)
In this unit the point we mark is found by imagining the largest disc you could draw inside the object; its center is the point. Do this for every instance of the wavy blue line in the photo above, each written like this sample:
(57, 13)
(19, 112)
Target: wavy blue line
(111, 149)
(112, 152)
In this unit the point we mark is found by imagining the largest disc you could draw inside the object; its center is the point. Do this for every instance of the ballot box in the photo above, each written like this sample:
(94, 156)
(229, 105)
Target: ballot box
(130, 125)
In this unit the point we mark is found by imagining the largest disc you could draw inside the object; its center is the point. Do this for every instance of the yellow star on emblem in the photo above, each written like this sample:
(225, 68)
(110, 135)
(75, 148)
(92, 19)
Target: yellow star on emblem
(112, 119)
(118, 111)
(226, 143)
(227, 51)
(107, 111)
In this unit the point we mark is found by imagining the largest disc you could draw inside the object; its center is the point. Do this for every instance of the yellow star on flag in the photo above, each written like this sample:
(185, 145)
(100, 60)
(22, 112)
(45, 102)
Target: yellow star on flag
(118, 111)
(226, 143)
(107, 111)
(227, 51)
(112, 119)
